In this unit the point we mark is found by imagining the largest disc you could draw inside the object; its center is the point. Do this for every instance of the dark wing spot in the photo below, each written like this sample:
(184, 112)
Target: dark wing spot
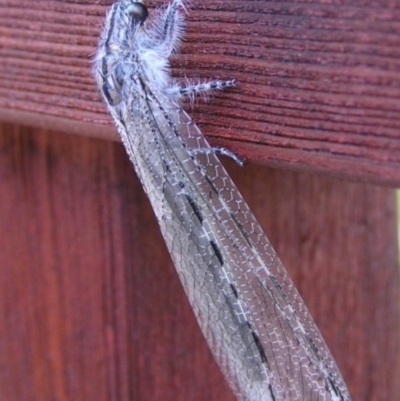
(239, 225)
(217, 252)
(212, 185)
(235, 292)
(195, 207)
(259, 347)
(334, 388)
(313, 346)
(272, 393)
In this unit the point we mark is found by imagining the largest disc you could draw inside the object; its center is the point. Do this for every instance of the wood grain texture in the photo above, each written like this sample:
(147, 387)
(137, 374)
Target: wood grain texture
(91, 308)
(318, 81)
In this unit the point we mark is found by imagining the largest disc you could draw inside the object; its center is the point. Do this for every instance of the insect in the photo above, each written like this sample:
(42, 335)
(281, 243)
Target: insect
(252, 316)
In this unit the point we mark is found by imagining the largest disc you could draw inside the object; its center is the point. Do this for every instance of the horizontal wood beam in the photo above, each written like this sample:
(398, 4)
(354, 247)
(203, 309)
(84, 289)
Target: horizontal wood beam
(318, 83)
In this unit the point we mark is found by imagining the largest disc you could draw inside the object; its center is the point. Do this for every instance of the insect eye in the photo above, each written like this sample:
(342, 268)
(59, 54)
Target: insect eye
(138, 12)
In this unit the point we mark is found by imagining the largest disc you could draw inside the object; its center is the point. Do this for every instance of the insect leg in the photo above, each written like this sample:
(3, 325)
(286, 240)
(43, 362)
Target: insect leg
(192, 90)
(170, 27)
(220, 151)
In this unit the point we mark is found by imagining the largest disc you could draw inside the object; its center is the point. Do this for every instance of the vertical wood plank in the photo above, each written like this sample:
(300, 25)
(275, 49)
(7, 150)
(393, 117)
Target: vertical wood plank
(91, 307)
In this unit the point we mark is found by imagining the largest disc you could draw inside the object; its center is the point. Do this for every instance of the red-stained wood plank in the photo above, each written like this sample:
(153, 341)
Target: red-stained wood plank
(318, 81)
(91, 307)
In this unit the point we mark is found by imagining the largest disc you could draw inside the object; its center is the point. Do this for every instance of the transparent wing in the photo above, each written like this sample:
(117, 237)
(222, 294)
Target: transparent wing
(252, 316)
